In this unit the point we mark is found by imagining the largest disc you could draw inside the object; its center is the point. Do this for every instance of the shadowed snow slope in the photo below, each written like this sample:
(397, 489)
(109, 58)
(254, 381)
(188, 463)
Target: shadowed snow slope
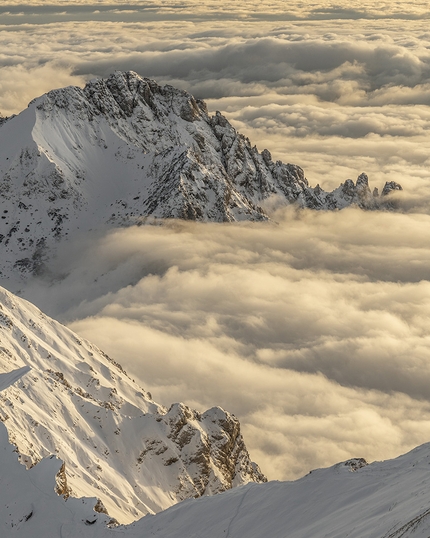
(124, 149)
(118, 444)
(6, 380)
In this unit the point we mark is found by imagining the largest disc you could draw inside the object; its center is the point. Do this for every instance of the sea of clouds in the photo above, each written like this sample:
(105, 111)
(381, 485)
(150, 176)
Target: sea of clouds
(336, 88)
(313, 328)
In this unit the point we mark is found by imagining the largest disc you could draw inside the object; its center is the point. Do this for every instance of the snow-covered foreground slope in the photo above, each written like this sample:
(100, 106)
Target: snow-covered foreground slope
(118, 444)
(125, 149)
(389, 499)
(30, 504)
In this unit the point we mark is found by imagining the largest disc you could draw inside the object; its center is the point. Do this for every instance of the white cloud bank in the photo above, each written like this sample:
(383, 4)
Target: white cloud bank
(314, 331)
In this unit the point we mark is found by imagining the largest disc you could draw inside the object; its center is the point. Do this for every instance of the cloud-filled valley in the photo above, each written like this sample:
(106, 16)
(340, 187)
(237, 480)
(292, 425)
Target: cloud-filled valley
(313, 328)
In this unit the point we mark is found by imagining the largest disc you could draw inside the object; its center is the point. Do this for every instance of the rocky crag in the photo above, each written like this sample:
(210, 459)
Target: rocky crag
(118, 445)
(124, 150)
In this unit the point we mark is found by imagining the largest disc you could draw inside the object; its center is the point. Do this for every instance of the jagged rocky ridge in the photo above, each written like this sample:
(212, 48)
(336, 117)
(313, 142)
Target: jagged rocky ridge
(117, 444)
(124, 149)
(385, 499)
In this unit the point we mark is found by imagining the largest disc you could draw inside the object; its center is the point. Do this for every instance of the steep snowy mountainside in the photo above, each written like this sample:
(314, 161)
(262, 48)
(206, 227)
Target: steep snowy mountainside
(387, 499)
(31, 507)
(124, 149)
(351, 499)
(117, 443)
(32, 502)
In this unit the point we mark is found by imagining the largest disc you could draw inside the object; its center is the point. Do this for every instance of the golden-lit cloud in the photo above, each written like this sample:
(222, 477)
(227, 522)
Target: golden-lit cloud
(313, 328)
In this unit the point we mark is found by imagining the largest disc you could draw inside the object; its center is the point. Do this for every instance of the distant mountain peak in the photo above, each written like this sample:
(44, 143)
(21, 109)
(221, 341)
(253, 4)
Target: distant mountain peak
(124, 149)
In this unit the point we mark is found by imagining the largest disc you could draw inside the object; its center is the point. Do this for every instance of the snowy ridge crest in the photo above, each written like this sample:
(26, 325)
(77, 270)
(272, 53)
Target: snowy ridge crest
(118, 445)
(125, 149)
(384, 499)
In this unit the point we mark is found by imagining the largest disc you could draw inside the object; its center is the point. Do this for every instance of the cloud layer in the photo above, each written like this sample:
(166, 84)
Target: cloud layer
(314, 331)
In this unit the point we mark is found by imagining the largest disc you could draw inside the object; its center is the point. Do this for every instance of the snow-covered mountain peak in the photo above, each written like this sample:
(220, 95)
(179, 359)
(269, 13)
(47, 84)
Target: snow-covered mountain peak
(118, 444)
(73, 396)
(123, 149)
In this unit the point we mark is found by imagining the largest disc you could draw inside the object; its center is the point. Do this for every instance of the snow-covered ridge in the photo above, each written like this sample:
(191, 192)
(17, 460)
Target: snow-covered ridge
(387, 499)
(383, 500)
(117, 443)
(125, 149)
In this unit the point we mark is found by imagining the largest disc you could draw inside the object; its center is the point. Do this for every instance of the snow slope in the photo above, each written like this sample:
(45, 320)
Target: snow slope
(30, 504)
(388, 499)
(6, 380)
(117, 443)
(125, 149)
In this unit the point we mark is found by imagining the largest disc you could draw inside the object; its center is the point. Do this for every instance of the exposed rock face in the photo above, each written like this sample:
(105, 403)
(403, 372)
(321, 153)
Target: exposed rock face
(125, 149)
(391, 186)
(62, 487)
(118, 445)
(358, 194)
(208, 446)
(355, 463)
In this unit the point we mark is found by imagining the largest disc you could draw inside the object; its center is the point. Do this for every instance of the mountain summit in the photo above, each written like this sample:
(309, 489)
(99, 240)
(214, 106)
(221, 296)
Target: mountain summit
(125, 149)
(118, 445)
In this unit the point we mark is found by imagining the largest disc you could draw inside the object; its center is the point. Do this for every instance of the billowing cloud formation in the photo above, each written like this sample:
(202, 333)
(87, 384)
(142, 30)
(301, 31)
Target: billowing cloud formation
(276, 10)
(335, 97)
(314, 331)
(287, 63)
